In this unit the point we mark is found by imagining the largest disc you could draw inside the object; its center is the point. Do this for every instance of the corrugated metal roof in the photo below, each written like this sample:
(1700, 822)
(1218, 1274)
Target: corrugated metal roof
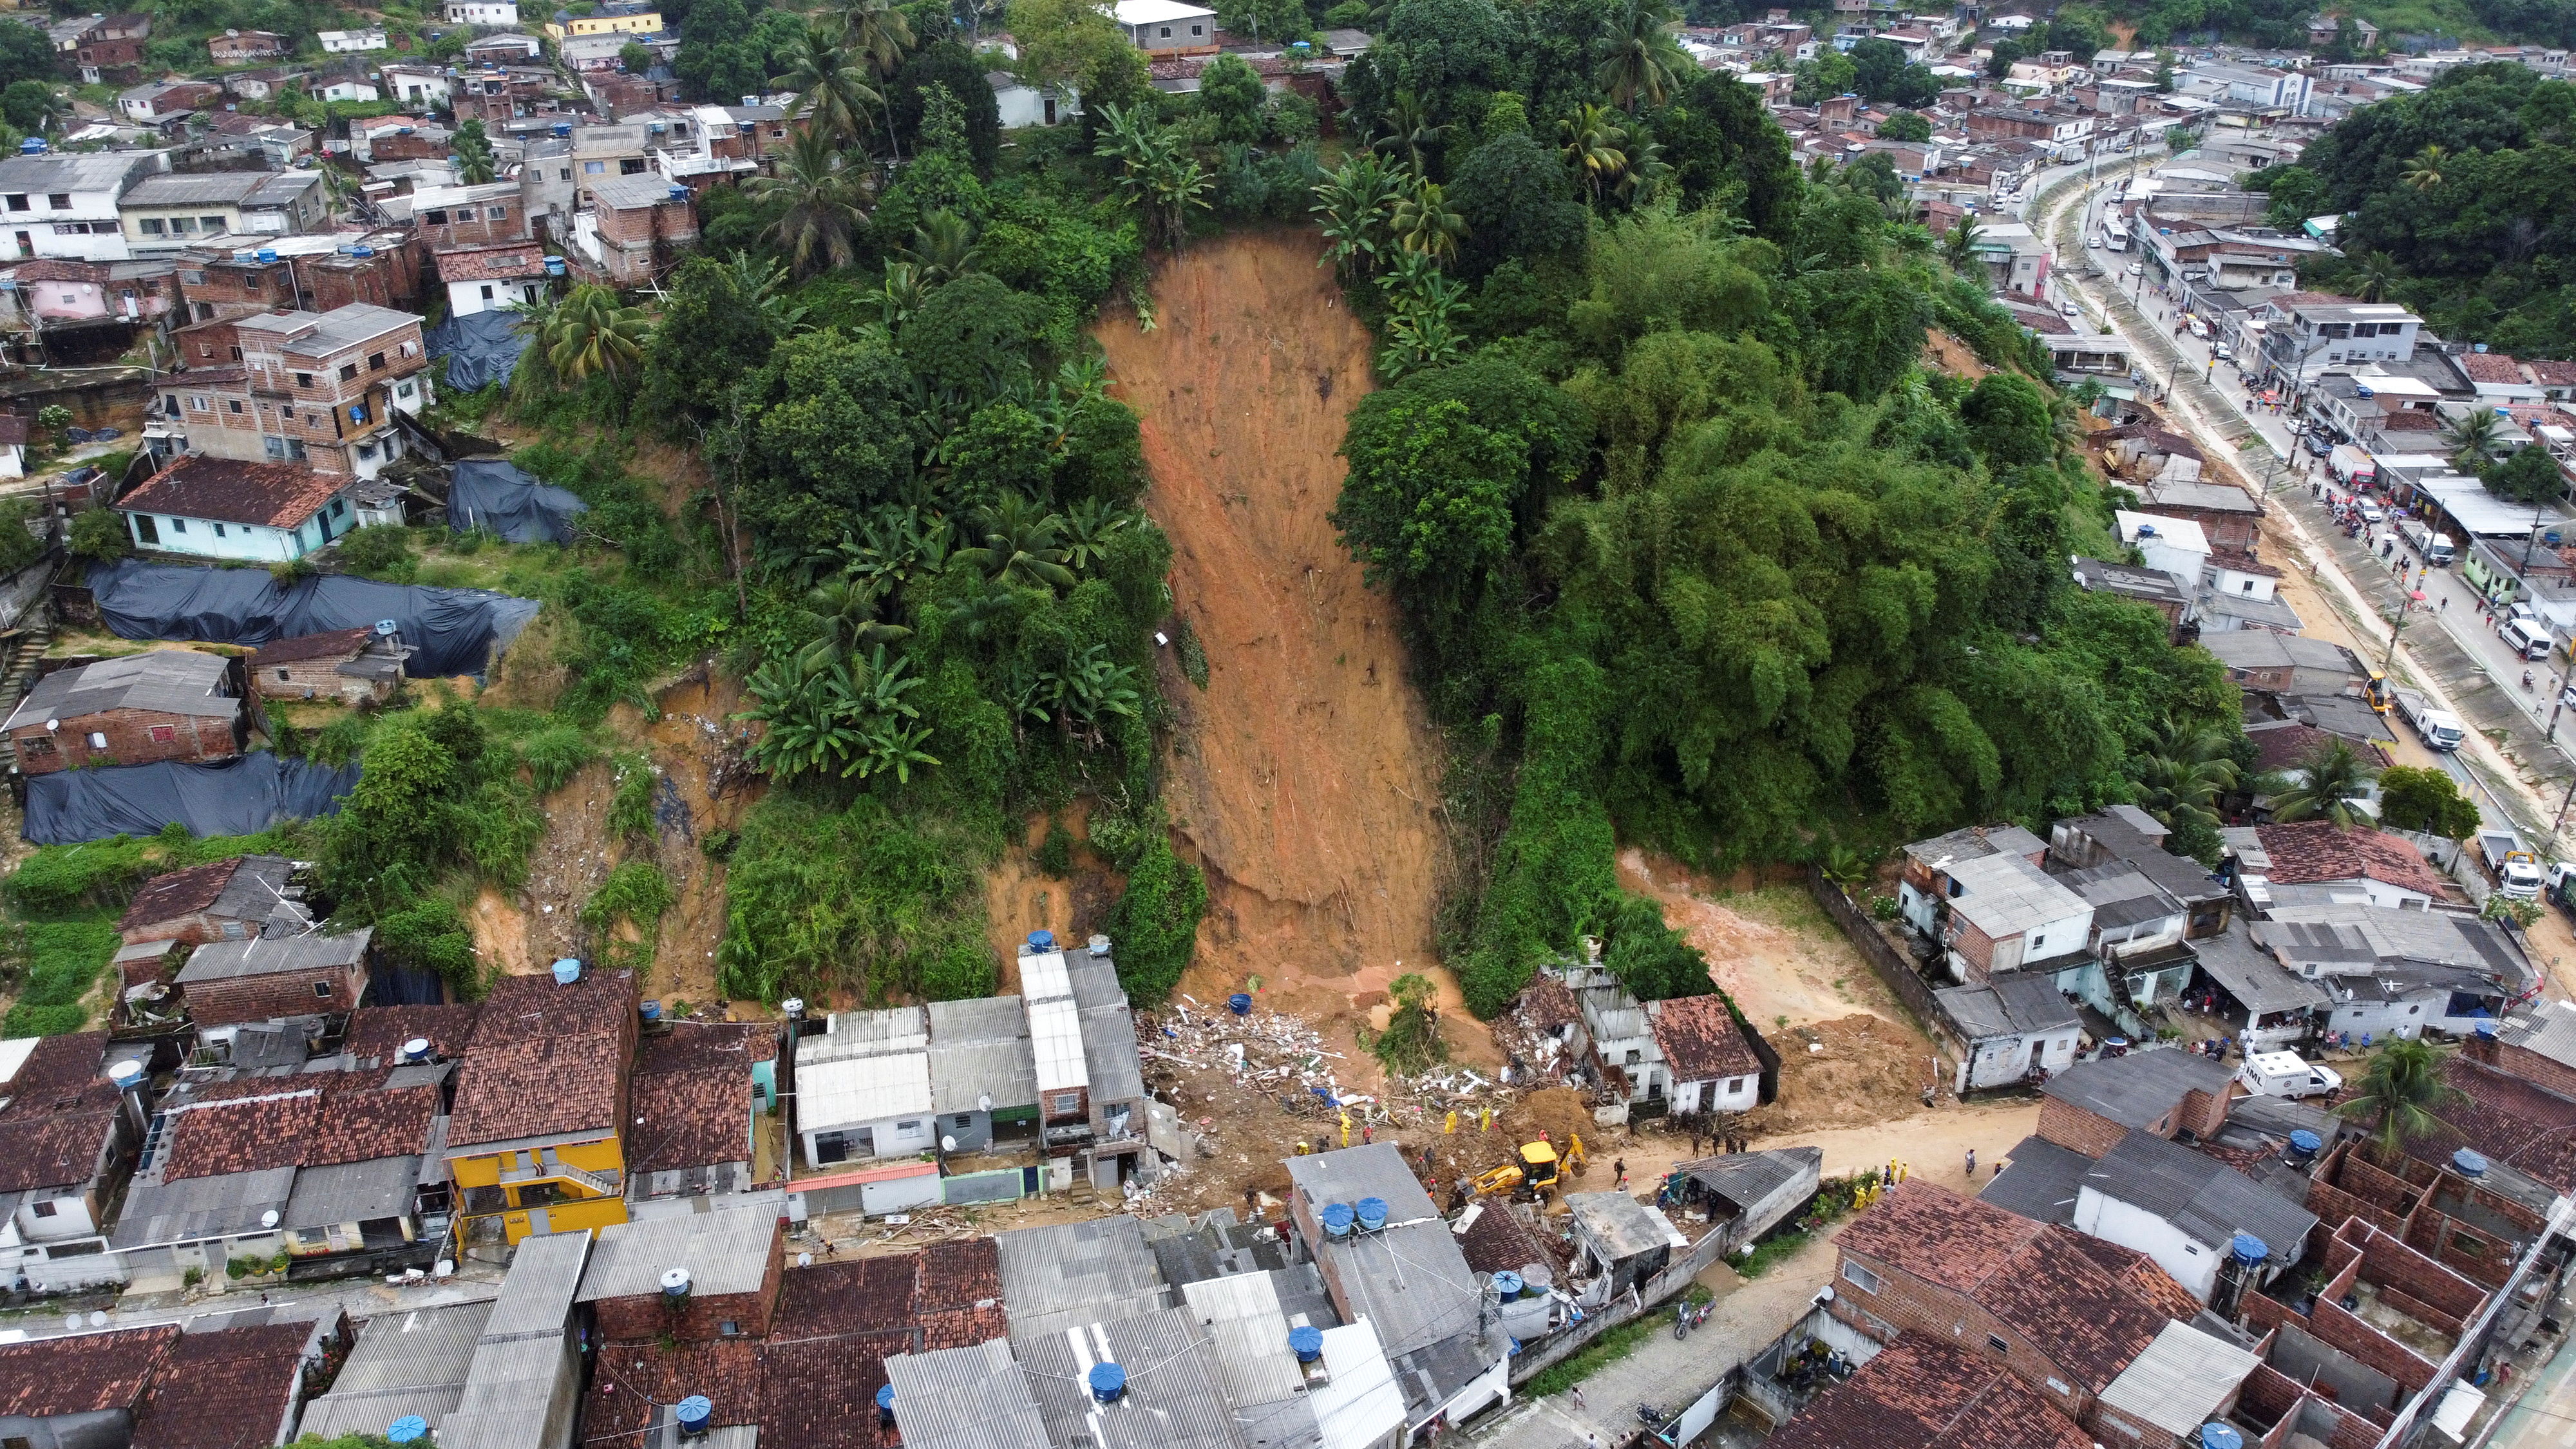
(1043, 976)
(2549, 1028)
(1242, 1318)
(172, 681)
(863, 1089)
(267, 956)
(1077, 1272)
(403, 1363)
(965, 1398)
(2199, 1195)
(851, 1034)
(1362, 1405)
(2005, 895)
(1746, 1178)
(1171, 1400)
(2041, 1182)
(2255, 979)
(2181, 1380)
(980, 1048)
(1055, 1041)
(536, 1298)
(1619, 1225)
(1109, 1054)
(725, 1251)
(352, 1192)
(200, 1207)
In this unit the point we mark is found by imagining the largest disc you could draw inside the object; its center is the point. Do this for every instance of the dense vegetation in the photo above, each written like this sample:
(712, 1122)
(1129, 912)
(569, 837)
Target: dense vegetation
(1692, 546)
(2454, 202)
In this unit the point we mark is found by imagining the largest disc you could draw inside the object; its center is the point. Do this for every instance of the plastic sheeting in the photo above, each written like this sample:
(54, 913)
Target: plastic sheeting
(230, 797)
(481, 348)
(451, 631)
(494, 494)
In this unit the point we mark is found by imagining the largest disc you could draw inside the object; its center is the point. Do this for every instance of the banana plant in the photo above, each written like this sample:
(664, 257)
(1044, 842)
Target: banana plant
(1088, 526)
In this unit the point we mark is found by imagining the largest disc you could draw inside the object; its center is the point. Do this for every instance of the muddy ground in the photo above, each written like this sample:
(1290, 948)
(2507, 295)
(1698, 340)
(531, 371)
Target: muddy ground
(1305, 778)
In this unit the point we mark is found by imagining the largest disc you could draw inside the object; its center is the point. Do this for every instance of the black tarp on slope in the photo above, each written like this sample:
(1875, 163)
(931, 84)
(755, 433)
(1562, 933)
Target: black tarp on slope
(450, 631)
(480, 349)
(493, 494)
(230, 797)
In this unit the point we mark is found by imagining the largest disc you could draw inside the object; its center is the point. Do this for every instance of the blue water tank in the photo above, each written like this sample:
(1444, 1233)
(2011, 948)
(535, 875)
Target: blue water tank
(1337, 1219)
(32, 146)
(1307, 1342)
(2249, 1249)
(652, 1010)
(567, 971)
(2468, 1164)
(1108, 1383)
(2306, 1143)
(1240, 1003)
(554, 266)
(1372, 1213)
(2220, 1436)
(362, 251)
(693, 1413)
(1041, 941)
(1508, 1284)
(268, 254)
(409, 1429)
(885, 1406)
(563, 128)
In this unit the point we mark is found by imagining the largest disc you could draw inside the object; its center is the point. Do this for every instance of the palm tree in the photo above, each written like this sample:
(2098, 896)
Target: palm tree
(2400, 1090)
(2373, 274)
(879, 33)
(904, 294)
(1427, 223)
(1353, 204)
(475, 163)
(1959, 246)
(943, 247)
(831, 86)
(589, 334)
(1409, 129)
(2474, 439)
(844, 612)
(1597, 145)
(2181, 774)
(822, 191)
(2323, 785)
(2424, 169)
(1020, 546)
(1640, 59)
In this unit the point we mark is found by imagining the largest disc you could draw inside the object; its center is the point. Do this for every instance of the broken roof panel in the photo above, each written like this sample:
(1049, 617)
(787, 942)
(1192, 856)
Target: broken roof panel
(965, 1398)
(2182, 1381)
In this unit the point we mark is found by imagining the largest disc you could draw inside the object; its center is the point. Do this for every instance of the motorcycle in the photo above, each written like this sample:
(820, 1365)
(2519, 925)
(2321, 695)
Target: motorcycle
(2526, 681)
(1681, 1321)
(1651, 1417)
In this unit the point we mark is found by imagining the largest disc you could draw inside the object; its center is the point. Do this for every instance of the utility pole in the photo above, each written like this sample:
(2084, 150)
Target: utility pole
(2396, 627)
(2561, 822)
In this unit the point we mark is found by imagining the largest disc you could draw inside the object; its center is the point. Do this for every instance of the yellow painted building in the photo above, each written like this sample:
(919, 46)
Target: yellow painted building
(647, 23)
(533, 1141)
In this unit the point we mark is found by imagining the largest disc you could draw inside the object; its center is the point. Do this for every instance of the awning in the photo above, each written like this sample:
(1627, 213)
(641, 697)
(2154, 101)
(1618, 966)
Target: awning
(2458, 1406)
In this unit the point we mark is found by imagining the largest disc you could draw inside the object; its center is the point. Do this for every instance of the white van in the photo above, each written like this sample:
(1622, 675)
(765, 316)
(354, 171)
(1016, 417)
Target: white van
(2526, 637)
(2283, 1074)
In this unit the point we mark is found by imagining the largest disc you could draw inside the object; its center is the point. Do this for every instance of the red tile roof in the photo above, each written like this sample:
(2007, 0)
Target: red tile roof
(86, 1373)
(546, 1060)
(2507, 1119)
(2283, 748)
(2409, 420)
(499, 261)
(179, 893)
(60, 1114)
(2551, 373)
(313, 1120)
(1919, 1394)
(362, 1120)
(267, 495)
(2490, 367)
(380, 1031)
(1700, 1040)
(51, 270)
(693, 1095)
(2311, 851)
(329, 644)
(256, 1135)
(1938, 1236)
(224, 1388)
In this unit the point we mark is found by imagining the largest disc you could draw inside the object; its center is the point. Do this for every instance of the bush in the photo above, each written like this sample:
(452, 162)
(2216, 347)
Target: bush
(860, 898)
(381, 551)
(100, 534)
(1156, 922)
(635, 893)
(718, 844)
(555, 754)
(1055, 853)
(60, 877)
(630, 810)
(432, 935)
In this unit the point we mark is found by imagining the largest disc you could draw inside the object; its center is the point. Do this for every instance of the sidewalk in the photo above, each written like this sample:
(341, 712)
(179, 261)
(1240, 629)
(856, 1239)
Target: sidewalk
(1667, 1372)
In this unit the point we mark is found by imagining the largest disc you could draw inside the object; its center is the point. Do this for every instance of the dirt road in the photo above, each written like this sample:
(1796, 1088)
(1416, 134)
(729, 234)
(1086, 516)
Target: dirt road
(1304, 778)
(1934, 1144)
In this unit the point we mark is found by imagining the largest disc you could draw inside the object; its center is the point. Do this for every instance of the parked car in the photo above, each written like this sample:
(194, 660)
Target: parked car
(2070, 309)
(2094, 242)
(2371, 512)
(2222, 352)
(2137, 269)
(2319, 444)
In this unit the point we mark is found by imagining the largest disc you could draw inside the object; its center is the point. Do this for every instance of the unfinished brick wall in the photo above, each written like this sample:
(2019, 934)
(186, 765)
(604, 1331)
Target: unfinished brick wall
(2392, 1195)
(133, 737)
(266, 998)
(2203, 1114)
(2529, 1065)
(1976, 949)
(2462, 1247)
(2077, 1130)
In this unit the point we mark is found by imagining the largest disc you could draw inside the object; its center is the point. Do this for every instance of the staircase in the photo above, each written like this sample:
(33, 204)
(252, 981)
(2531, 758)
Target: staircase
(25, 648)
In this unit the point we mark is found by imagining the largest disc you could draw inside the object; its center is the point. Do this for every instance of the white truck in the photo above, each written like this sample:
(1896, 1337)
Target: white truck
(2441, 729)
(2350, 465)
(2517, 871)
(2437, 549)
(2284, 1074)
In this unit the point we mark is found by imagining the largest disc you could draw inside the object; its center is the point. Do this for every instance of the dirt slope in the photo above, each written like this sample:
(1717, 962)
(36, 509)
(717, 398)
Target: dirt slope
(1304, 777)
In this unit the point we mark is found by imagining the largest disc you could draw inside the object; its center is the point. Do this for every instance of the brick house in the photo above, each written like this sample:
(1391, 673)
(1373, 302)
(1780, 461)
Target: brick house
(2386, 868)
(1920, 1393)
(224, 901)
(634, 226)
(110, 48)
(456, 216)
(733, 1256)
(2538, 1046)
(305, 274)
(269, 978)
(79, 1384)
(2067, 1314)
(2423, 1301)
(147, 104)
(235, 46)
(67, 1137)
(492, 277)
(162, 704)
(2090, 1106)
(698, 1088)
(357, 665)
(318, 388)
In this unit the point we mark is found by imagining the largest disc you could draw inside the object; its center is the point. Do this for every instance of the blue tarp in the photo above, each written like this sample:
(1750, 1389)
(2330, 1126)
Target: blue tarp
(492, 493)
(230, 797)
(450, 631)
(480, 349)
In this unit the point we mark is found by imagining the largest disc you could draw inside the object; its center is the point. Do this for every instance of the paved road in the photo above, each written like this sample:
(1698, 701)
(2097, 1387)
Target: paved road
(1667, 1372)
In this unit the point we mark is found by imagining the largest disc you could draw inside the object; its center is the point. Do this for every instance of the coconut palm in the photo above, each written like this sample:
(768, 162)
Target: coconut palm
(2474, 438)
(1640, 58)
(475, 163)
(1959, 246)
(818, 229)
(2373, 274)
(2398, 1093)
(589, 334)
(1426, 222)
(880, 34)
(2323, 785)
(1597, 146)
(1408, 129)
(831, 86)
(943, 247)
(2181, 774)
(845, 613)
(2424, 168)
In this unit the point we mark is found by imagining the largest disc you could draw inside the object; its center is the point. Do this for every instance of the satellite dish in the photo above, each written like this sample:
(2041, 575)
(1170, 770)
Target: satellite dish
(98, 1318)
(53, 724)
(984, 1103)
(947, 1144)
(72, 1322)
(268, 1219)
